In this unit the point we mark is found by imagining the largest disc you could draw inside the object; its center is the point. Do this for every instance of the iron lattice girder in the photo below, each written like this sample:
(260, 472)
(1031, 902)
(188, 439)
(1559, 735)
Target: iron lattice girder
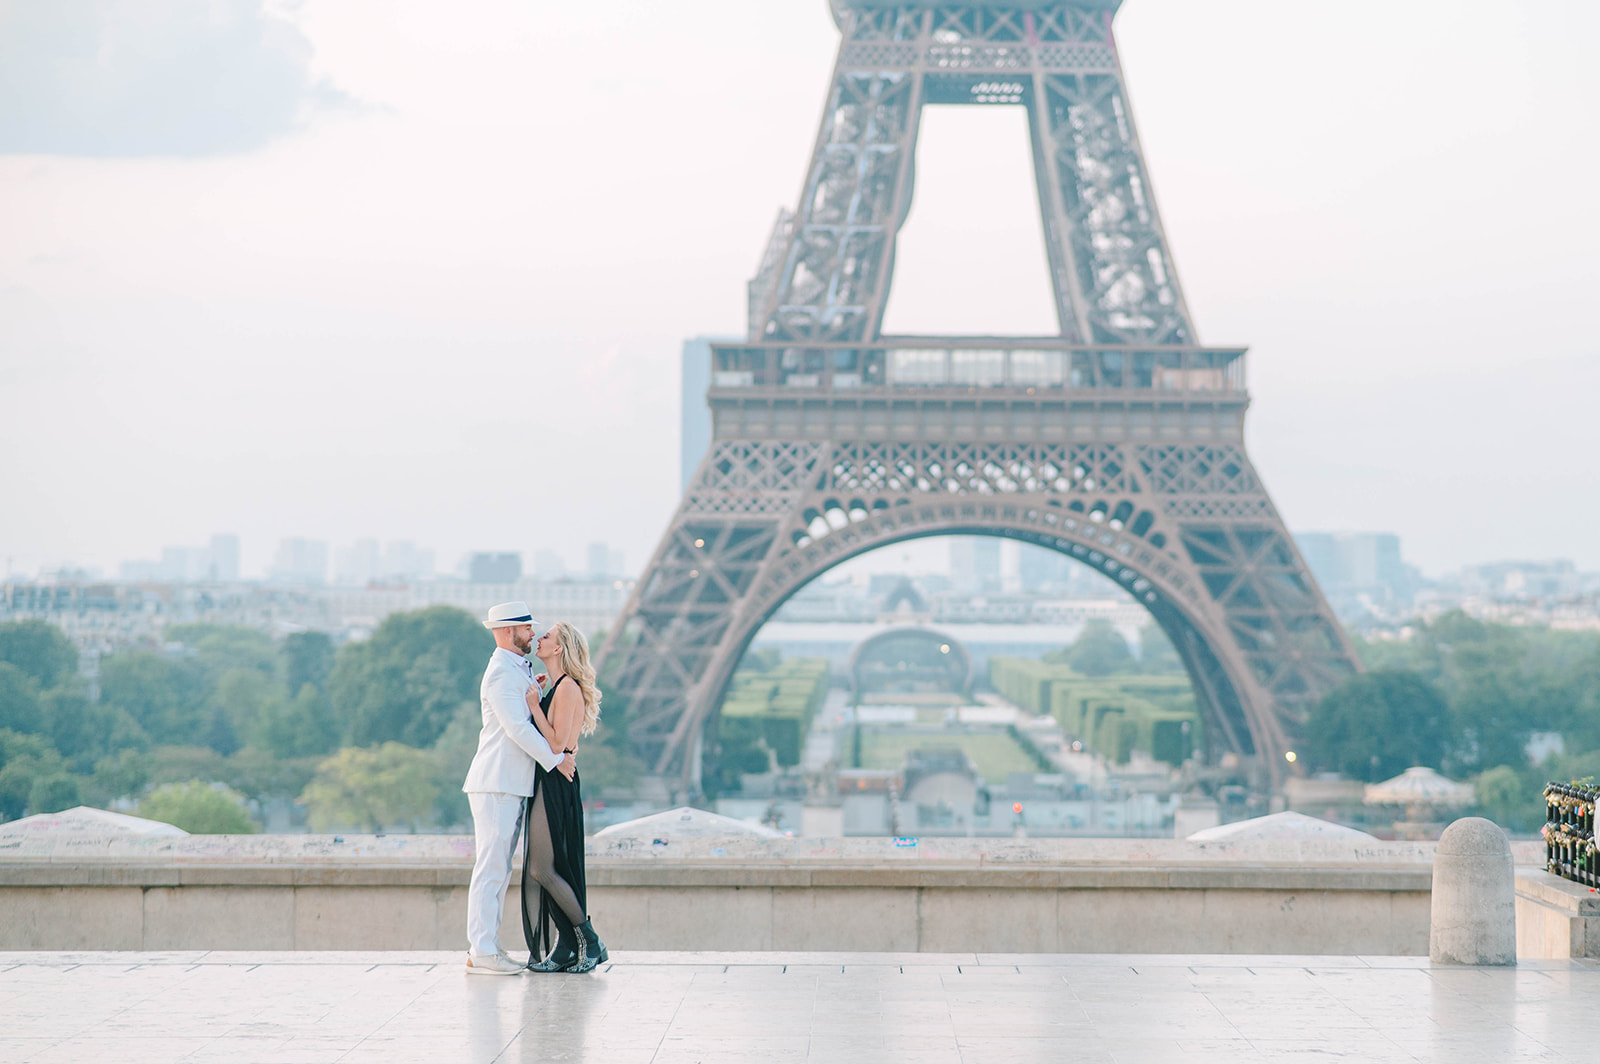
(1036, 21)
(1111, 272)
(1185, 528)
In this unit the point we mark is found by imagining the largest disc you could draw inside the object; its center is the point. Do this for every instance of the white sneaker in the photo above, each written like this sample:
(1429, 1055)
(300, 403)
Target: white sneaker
(498, 964)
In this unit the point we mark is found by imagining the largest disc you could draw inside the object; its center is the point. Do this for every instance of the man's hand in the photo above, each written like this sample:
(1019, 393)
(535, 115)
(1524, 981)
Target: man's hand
(568, 766)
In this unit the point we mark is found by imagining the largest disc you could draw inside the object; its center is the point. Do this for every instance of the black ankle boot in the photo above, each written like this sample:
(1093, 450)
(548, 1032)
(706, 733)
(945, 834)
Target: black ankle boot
(567, 953)
(592, 946)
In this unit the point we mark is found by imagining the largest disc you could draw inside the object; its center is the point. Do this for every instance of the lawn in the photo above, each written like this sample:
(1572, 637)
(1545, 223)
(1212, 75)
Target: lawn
(994, 753)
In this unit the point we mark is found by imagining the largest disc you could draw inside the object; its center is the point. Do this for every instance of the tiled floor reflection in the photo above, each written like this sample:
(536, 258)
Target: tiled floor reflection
(684, 1008)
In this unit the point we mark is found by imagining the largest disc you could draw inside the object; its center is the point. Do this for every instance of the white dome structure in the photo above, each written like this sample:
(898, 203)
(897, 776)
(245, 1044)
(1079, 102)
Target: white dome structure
(85, 822)
(1419, 787)
(685, 822)
(1279, 826)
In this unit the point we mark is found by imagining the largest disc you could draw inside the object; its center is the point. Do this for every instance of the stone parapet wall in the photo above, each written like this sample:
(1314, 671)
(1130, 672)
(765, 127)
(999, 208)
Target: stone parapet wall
(1556, 918)
(940, 895)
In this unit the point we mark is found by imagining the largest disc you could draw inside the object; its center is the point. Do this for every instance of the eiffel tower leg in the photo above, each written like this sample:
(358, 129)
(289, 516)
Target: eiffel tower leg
(674, 633)
(1185, 529)
(834, 280)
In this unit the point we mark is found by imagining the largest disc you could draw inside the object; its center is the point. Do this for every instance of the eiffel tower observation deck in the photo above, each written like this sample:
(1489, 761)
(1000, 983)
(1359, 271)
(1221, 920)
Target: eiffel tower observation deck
(1118, 441)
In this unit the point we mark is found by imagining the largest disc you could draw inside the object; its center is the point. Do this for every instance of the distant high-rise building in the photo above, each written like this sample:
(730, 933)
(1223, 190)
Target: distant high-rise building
(139, 571)
(1522, 580)
(1043, 569)
(224, 560)
(404, 560)
(695, 414)
(357, 564)
(494, 567)
(216, 563)
(190, 565)
(1359, 571)
(177, 565)
(300, 561)
(975, 564)
(604, 562)
(547, 565)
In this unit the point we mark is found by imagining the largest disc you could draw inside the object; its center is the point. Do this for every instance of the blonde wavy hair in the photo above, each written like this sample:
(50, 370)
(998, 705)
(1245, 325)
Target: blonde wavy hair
(575, 663)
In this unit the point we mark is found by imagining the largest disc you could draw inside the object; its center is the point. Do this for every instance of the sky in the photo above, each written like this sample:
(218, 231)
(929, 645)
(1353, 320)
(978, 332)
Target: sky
(405, 270)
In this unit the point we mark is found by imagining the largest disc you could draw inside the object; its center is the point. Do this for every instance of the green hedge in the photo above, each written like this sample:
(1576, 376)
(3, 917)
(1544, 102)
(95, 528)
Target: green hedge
(773, 703)
(1111, 715)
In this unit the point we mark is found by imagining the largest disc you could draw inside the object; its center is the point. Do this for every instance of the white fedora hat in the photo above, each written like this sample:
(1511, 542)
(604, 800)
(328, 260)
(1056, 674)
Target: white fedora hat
(508, 614)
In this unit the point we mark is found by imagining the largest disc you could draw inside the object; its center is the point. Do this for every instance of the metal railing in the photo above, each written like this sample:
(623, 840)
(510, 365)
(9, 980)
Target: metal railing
(1030, 366)
(1569, 843)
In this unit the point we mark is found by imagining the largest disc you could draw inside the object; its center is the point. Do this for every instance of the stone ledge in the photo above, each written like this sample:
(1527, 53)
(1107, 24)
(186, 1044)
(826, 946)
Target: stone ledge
(405, 850)
(836, 863)
(1549, 889)
(732, 874)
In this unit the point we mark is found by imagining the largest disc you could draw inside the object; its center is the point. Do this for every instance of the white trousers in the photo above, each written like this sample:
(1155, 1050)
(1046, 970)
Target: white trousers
(496, 824)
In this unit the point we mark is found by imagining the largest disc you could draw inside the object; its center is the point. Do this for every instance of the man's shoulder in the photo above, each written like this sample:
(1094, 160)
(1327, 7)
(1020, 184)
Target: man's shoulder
(505, 664)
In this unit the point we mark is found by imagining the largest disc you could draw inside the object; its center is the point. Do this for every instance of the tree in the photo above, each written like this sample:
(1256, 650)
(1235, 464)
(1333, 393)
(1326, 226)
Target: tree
(247, 700)
(199, 808)
(23, 760)
(39, 649)
(19, 700)
(1157, 656)
(1502, 682)
(451, 757)
(1099, 650)
(1378, 725)
(603, 760)
(258, 774)
(1581, 724)
(53, 793)
(85, 731)
(302, 726)
(165, 696)
(308, 659)
(389, 784)
(179, 764)
(219, 648)
(119, 775)
(1494, 720)
(404, 683)
(1505, 797)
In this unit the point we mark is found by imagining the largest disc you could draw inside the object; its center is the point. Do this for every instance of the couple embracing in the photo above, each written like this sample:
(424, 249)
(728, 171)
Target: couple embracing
(524, 781)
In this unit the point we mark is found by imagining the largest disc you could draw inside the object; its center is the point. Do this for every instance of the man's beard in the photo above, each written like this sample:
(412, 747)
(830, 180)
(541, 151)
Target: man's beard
(523, 645)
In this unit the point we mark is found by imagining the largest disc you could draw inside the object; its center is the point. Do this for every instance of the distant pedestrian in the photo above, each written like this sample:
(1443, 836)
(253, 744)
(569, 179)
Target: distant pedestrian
(511, 753)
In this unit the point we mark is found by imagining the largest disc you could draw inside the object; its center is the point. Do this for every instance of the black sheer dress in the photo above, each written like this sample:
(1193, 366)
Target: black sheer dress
(554, 856)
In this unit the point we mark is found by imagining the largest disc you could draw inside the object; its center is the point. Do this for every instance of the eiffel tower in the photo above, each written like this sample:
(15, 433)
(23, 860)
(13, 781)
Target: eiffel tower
(1119, 442)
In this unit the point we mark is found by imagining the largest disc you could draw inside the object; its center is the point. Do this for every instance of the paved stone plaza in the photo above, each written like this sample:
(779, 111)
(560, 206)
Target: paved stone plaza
(676, 1008)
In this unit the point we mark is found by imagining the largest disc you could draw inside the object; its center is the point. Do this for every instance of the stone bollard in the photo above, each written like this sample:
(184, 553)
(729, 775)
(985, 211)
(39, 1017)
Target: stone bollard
(1474, 896)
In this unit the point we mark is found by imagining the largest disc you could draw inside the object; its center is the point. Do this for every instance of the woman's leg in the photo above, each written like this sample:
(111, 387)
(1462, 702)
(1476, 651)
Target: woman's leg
(542, 866)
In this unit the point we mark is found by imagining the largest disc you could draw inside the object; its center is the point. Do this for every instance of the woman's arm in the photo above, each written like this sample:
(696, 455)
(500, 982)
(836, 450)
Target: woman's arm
(540, 722)
(566, 716)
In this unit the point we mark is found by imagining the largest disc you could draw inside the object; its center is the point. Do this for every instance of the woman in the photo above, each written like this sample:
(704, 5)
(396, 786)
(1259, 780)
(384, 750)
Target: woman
(570, 707)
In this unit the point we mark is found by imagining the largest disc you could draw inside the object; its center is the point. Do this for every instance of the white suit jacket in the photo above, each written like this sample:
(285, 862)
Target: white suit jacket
(509, 744)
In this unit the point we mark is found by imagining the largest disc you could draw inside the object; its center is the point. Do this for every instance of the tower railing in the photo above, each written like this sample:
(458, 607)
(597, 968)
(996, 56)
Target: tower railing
(1028, 365)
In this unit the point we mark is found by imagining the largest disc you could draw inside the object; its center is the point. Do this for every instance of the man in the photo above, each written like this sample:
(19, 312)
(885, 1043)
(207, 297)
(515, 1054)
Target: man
(500, 780)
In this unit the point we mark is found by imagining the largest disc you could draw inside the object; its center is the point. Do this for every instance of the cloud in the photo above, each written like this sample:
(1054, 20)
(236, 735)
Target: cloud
(151, 77)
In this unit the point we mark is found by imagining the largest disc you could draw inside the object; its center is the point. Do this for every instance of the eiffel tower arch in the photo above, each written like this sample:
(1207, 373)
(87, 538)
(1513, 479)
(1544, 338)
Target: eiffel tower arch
(1118, 442)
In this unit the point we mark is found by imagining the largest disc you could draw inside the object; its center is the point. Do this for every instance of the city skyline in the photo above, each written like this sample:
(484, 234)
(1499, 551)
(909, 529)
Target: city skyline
(1358, 570)
(1389, 315)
